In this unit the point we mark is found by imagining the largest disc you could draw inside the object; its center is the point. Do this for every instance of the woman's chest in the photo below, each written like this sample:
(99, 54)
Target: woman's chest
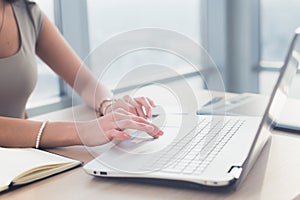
(18, 75)
(9, 35)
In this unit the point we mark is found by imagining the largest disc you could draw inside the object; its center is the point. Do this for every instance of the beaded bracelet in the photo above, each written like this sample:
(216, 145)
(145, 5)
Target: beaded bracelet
(38, 138)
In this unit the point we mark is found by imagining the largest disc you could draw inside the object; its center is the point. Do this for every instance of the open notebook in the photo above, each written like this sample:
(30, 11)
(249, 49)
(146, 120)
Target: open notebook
(25, 165)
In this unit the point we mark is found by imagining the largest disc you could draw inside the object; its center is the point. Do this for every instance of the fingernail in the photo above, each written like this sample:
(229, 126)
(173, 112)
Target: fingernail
(160, 133)
(126, 135)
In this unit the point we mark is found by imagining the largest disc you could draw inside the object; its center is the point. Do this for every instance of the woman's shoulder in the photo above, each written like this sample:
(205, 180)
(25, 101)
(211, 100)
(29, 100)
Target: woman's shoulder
(30, 10)
(27, 5)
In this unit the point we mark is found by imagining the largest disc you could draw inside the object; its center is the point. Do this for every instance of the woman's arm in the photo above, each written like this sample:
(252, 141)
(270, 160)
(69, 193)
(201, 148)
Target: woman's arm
(23, 133)
(56, 52)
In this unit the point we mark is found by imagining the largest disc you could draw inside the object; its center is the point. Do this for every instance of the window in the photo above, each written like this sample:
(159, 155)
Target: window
(108, 18)
(47, 88)
(279, 19)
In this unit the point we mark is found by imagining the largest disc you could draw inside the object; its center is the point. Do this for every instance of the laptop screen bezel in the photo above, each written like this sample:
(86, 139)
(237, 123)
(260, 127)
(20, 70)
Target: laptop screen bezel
(266, 122)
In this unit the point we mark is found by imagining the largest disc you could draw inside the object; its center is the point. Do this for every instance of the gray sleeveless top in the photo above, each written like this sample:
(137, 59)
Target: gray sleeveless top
(18, 73)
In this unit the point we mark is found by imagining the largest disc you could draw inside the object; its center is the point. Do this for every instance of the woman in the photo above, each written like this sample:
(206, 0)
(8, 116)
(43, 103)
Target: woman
(26, 31)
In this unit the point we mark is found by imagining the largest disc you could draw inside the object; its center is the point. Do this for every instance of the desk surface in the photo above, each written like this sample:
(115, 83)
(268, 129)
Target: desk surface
(276, 175)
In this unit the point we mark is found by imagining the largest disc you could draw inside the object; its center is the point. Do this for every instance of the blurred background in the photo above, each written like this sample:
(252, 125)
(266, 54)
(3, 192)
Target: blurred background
(248, 40)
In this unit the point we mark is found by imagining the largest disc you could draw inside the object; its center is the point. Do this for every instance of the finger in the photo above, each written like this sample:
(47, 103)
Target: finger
(145, 126)
(125, 120)
(138, 108)
(112, 134)
(158, 134)
(122, 104)
(130, 108)
(131, 124)
(144, 102)
(151, 102)
(123, 114)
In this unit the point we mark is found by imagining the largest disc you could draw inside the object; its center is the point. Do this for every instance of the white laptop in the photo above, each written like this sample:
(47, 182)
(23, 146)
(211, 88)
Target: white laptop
(214, 151)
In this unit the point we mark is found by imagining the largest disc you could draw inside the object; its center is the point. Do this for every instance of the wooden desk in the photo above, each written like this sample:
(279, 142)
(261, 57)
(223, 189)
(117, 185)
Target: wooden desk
(276, 175)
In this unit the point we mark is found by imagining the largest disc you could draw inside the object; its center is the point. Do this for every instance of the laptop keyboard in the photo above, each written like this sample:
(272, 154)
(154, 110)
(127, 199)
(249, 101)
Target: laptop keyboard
(192, 153)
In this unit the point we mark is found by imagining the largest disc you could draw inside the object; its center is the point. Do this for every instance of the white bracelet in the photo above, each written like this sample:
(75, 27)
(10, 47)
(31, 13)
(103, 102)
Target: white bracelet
(38, 138)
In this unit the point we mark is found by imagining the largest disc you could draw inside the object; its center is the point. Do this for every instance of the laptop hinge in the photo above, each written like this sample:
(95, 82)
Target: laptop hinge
(235, 171)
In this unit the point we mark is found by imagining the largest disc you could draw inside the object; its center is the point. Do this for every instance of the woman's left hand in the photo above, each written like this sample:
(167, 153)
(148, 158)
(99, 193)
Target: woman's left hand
(139, 106)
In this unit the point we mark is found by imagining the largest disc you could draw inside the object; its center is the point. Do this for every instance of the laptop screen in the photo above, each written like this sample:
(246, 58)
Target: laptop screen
(284, 82)
(276, 102)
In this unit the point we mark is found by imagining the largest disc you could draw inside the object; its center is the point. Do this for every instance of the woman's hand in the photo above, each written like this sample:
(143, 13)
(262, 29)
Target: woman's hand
(112, 126)
(140, 106)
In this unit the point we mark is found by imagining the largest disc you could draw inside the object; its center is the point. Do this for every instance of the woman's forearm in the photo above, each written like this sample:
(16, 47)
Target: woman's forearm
(23, 133)
(54, 50)
(60, 134)
(90, 90)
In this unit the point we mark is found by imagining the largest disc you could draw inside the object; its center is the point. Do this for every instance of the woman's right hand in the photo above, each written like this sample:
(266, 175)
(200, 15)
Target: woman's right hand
(112, 126)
